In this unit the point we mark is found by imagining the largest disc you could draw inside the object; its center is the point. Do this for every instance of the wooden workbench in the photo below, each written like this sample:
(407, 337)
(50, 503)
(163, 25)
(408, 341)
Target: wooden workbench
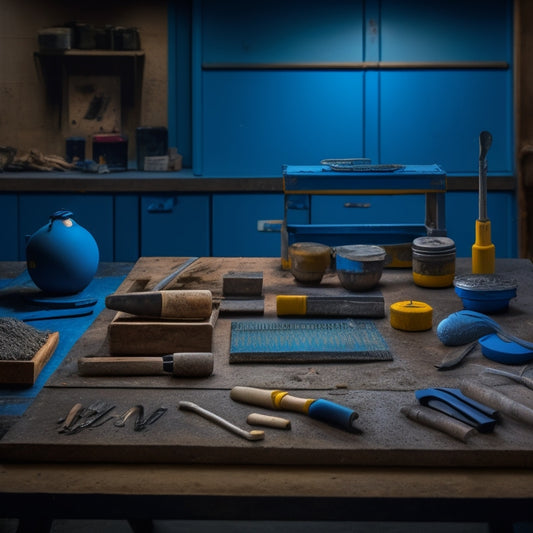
(382, 473)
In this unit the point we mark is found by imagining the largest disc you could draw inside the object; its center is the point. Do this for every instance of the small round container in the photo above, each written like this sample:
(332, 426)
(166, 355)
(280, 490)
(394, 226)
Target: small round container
(308, 261)
(433, 262)
(485, 293)
(359, 266)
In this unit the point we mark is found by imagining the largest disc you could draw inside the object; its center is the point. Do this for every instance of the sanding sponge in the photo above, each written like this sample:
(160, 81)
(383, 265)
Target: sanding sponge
(461, 328)
(411, 316)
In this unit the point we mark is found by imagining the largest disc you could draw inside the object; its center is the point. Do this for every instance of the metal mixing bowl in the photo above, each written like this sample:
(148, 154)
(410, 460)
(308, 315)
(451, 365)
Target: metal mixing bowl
(359, 266)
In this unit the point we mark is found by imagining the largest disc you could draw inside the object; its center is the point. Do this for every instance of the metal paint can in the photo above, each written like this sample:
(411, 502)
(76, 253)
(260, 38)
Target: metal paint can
(433, 261)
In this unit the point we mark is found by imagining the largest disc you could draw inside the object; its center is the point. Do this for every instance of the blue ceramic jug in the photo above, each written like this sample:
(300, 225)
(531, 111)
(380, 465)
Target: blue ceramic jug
(62, 257)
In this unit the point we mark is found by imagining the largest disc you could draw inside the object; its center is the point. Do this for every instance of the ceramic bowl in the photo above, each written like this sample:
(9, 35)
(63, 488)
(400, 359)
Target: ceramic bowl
(308, 261)
(359, 266)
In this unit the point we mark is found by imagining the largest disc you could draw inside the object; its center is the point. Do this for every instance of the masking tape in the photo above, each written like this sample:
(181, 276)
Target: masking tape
(411, 316)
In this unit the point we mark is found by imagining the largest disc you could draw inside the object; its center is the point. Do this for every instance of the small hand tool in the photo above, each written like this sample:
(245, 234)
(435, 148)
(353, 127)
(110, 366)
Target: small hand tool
(347, 306)
(141, 422)
(50, 302)
(183, 364)
(258, 419)
(498, 400)
(323, 410)
(172, 304)
(456, 359)
(255, 434)
(523, 380)
(436, 420)
(483, 251)
(165, 282)
(49, 314)
(455, 404)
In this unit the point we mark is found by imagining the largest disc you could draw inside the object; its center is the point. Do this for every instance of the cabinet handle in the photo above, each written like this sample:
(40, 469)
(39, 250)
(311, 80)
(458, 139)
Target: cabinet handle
(163, 205)
(269, 225)
(358, 204)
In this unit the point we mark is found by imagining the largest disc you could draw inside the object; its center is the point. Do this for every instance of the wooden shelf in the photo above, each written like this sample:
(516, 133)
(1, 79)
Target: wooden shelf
(55, 66)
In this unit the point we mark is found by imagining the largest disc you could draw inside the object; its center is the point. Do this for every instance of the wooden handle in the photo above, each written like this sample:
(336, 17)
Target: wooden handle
(433, 419)
(172, 304)
(253, 396)
(271, 399)
(498, 401)
(120, 366)
(258, 419)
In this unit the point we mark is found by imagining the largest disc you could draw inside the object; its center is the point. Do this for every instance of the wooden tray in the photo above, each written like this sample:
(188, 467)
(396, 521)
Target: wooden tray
(26, 372)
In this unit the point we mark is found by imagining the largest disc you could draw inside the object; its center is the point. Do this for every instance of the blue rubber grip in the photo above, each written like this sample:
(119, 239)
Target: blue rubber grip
(333, 414)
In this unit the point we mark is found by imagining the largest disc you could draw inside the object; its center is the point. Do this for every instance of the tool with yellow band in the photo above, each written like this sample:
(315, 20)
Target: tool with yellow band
(323, 410)
(483, 251)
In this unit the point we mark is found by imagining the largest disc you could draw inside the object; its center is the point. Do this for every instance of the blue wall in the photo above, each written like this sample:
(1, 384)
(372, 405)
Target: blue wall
(292, 82)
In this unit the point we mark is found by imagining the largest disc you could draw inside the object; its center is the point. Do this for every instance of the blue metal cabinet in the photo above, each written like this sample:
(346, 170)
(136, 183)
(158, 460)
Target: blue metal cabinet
(253, 122)
(175, 225)
(235, 225)
(257, 111)
(367, 209)
(92, 211)
(9, 242)
(126, 231)
(436, 116)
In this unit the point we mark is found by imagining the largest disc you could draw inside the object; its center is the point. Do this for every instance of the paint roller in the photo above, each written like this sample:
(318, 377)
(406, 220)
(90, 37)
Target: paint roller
(324, 410)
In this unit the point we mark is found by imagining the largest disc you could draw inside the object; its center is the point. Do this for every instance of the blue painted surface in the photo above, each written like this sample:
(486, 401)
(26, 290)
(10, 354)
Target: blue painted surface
(320, 179)
(10, 227)
(436, 117)
(14, 401)
(235, 230)
(455, 30)
(175, 225)
(253, 122)
(281, 31)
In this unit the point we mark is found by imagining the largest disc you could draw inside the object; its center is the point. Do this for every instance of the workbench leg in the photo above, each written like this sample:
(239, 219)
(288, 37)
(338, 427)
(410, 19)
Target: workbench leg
(34, 525)
(141, 525)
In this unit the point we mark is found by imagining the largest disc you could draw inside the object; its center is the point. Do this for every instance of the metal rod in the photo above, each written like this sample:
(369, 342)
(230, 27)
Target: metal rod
(208, 415)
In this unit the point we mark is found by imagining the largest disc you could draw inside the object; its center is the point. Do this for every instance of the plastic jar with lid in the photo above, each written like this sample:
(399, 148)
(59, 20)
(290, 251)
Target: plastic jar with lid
(433, 261)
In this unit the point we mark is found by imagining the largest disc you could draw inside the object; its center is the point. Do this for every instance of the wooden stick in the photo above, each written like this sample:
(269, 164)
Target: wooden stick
(499, 401)
(433, 419)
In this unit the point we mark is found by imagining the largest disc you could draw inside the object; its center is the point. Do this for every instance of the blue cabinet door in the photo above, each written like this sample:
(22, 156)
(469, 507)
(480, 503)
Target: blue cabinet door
(235, 225)
(92, 211)
(9, 241)
(126, 231)
(175, 225)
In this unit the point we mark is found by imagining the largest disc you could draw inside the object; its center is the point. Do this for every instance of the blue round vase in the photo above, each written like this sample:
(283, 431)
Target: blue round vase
(62, 257)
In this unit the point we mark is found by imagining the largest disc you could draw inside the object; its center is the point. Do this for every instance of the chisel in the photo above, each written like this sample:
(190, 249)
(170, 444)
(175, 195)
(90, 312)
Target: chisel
(324, 410)
(483, 251)
(177, 304)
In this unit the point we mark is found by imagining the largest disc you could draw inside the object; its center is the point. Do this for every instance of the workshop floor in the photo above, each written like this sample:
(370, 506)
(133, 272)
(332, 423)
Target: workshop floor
(199, 526)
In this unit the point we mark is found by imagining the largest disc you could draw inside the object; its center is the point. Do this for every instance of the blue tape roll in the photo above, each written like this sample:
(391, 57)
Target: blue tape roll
(333, 414)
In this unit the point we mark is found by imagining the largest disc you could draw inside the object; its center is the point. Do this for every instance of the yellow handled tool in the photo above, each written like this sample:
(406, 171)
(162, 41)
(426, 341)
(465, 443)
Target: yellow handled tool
(483, 251)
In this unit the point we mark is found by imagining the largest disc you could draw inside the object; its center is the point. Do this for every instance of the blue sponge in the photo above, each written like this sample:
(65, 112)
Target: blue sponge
(462, 328)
